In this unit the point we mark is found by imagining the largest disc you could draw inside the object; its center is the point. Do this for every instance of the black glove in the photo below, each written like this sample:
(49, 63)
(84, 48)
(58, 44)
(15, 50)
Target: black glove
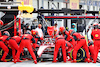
(8, 38)
(70, 40)
(33, 41)
(59, 33)
(66, 37)
(37, 37)
(78, 39)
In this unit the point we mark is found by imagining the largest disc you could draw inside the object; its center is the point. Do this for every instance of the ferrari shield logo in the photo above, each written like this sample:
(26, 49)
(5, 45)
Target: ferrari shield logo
(33, 32)
(95, 29)
(96, 35)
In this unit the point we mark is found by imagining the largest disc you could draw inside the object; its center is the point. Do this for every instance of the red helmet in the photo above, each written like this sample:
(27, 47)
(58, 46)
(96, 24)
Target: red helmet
(62, 29)
(95, 24)
(55, 30)
(1, 22)
(71, 32)
(6, 33)
(99, 26)
(34, 32)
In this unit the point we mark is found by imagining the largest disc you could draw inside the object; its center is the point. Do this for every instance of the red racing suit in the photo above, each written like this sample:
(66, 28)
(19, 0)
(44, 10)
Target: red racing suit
(96, 37)
(13, 43)
(3, 40)
(26, 42)
(91, 48)
(69, 38)
(69, 47)
(36, 38)
(81, 42)
(60, 42)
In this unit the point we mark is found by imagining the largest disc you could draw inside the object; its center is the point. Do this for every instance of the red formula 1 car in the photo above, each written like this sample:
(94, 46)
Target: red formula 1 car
(46, 49)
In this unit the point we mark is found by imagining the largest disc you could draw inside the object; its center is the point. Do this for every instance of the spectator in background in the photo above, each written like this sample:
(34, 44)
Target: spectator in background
(22, 27)
(55, 27)
(40, 32)
(74, 27)
(33, 26)
(27, 26)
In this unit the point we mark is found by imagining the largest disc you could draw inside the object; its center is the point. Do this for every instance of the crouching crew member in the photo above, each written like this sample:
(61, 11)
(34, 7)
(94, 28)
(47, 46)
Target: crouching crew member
(81, 42)
(13, 43)
(3, 40)
(36, 38)
(95, 35)
(26, 42)
(60, 42)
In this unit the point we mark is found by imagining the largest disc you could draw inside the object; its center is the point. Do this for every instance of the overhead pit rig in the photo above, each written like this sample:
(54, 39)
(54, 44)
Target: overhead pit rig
(69, 14)
(11, 19)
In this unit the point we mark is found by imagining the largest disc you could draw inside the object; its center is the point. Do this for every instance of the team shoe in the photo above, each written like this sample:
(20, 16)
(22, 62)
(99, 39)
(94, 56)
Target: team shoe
(94, 62)
(24, 58)
(12, 60)
(29, 58)
(88, 60)
(73, 61)
(35, 61)
(18, 60)
(15, 60)
(54, 61)
(3, 60)
(64, 61)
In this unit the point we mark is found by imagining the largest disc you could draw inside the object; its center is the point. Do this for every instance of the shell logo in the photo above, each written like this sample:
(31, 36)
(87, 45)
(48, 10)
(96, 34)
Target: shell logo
(95, 29)
(25, 35)
(17, 24)
(15, 36)
(96, 35)
(60, 29)
(33, 32)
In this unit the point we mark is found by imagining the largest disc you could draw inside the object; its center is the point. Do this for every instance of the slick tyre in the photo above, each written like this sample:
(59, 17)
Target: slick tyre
(81, 55)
